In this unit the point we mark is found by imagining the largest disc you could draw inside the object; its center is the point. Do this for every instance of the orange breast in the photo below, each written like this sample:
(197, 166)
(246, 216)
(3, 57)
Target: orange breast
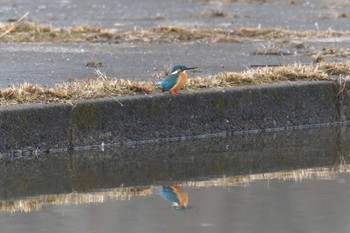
(181, 81)
(182, 196)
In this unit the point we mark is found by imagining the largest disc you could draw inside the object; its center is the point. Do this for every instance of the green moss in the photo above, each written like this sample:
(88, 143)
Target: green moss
(298, 103)
(279, 97)
(149, 110)
(280, 159)
(235, 103)
(84, 180)
(220, 104)
(22, 122)
(154, 108)
(332, 92)
(20, 186)
(84, 115)
(153, 172)
(220, 164)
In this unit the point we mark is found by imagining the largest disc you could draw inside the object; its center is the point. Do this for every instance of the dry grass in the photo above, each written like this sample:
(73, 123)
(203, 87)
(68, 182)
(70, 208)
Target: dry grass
(272, 49)
(281, 47)
(98, 87)
(271, 75)
(30, 32)
(103, 86)
(318, 173)
(296, 44)
(36, 203)
(335, 4)
(320, 55)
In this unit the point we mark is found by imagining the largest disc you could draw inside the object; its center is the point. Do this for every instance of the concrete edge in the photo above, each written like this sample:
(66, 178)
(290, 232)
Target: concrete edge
(162, 117)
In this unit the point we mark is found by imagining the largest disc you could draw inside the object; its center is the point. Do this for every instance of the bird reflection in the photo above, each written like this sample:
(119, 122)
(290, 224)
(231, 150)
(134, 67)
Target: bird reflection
(174, 194)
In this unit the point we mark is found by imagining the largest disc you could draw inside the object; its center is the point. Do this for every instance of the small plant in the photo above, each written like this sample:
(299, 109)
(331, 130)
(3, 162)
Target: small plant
(216, 13)
(272, 49)
(318, 57)
(94, 64)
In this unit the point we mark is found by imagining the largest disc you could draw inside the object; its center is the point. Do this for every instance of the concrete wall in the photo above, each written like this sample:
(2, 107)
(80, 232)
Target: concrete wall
(160, 117)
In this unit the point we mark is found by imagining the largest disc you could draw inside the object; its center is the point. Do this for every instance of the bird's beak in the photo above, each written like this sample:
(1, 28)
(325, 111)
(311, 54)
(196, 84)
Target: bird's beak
(190, 68)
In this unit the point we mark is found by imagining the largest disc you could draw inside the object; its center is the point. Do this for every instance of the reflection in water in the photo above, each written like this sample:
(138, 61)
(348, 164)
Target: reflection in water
(27, 183)
(144, 165)
(36, 203)
(323, 173)
(174, 193)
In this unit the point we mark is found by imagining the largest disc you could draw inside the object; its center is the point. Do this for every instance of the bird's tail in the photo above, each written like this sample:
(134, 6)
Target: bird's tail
(161, 85)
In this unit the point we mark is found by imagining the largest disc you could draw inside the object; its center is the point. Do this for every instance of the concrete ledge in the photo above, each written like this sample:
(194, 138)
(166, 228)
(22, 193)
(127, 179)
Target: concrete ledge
(160, 117)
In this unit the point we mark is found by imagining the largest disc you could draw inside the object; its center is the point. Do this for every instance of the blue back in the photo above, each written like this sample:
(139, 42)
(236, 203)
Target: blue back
(170, 80)
(168, 194)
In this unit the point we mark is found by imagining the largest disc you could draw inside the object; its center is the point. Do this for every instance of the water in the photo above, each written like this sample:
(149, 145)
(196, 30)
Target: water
(263, 206)
(293, 181)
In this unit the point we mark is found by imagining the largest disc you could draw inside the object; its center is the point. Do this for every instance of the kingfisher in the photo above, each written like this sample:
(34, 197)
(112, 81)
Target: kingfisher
(175, 194)
(175, 80)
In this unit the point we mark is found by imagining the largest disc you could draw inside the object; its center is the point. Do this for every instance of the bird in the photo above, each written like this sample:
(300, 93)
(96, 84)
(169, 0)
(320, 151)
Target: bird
(175, 194)
(175, 80)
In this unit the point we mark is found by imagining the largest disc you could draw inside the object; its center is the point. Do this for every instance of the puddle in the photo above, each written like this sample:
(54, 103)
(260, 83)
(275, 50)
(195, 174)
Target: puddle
(292, 181)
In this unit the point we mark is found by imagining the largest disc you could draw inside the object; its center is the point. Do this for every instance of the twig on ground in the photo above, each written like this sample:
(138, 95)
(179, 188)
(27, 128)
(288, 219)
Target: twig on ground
(13, 27)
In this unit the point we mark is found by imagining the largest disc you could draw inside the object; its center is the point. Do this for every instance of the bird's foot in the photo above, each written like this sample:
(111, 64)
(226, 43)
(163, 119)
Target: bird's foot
(174, 92)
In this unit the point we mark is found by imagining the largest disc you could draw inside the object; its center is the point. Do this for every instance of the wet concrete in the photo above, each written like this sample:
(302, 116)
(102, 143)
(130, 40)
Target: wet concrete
(51, 63)
(48, 64)
(83, 171)
(127, 14)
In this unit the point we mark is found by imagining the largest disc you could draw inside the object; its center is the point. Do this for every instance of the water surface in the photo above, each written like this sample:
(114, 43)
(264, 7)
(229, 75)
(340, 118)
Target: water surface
(292, 181)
